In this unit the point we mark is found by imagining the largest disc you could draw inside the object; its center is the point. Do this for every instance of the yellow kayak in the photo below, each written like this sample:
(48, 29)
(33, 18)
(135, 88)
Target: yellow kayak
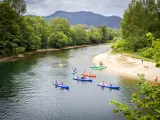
(61, 65)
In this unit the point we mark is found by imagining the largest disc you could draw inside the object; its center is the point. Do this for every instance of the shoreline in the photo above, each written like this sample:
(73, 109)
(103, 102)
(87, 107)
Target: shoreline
(20, 56)
(127, 66)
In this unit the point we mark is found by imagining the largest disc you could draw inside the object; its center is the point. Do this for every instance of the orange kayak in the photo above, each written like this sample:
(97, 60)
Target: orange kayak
(89, 75)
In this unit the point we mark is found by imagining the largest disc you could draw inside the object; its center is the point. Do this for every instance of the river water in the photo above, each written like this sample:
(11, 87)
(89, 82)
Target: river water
(27, 91)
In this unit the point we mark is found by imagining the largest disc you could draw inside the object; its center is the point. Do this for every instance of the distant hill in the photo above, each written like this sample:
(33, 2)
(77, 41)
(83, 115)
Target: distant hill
(88, 18)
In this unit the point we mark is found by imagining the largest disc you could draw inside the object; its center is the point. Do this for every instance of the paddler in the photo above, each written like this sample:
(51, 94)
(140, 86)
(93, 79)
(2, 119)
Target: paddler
(156, 81)
(103, 83)
(56, 82)
(75, 70)
(101, 63)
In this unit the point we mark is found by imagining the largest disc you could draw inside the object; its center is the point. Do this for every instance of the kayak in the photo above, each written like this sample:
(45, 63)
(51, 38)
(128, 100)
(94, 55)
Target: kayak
(61, 65)
(84, 80)
(89, 75)
(108, 86)
(97, 66)
(74, 72)
(61, 86)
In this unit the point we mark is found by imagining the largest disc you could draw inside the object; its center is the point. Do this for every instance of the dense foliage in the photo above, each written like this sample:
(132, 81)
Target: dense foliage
(146, 102)
(19, 34)
(18, 5)
(140, 30)
(141, 17)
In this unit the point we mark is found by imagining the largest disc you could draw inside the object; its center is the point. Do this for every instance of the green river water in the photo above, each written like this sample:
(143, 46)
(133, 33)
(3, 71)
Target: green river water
(27, 91)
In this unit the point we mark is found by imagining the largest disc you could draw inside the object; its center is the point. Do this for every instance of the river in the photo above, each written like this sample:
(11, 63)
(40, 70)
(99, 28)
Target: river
(27, 91)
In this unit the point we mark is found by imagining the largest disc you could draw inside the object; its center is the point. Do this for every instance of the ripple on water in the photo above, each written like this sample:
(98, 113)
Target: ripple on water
(27, 90)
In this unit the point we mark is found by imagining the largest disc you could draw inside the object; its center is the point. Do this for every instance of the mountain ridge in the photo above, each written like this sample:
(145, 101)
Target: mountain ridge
(88, 18)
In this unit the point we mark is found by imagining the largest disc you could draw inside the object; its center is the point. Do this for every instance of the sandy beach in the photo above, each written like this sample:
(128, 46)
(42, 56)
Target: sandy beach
(127, 66)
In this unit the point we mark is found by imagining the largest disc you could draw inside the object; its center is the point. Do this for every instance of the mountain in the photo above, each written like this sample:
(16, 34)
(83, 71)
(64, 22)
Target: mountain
(88, 18)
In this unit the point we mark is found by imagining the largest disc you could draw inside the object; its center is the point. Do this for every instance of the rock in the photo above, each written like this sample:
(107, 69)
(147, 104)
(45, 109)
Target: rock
(20, 55)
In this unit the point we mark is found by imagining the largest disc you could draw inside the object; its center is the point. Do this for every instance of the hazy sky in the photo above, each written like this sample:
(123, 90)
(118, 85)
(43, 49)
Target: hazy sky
(104, 7)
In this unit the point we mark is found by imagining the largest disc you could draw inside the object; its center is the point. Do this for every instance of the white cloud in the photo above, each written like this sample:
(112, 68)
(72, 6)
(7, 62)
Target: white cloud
(104, 7)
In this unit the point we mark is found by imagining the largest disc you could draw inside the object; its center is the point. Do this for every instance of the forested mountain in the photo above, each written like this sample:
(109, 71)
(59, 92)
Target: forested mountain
(20, 33)
(88, 18)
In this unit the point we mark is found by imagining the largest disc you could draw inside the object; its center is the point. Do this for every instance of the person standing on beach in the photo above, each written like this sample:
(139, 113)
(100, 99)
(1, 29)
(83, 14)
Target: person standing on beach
(142, 61)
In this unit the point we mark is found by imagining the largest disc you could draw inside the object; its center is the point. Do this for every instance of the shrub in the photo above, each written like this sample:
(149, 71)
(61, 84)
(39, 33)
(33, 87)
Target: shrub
(118, 46)
(146, 52)
(157, 64)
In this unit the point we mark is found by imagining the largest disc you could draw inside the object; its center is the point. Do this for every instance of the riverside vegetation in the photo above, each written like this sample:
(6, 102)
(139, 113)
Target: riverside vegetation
(140, 31)
(146, 102)
(140, 35)
(20, 33)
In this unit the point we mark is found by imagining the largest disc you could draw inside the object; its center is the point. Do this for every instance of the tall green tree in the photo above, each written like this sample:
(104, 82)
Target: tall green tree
(82, 35)
(95, 35)
(134, 26)
(58, 40)
(73, 35)
(41, 28)
(9, 31)
(105, 34)
(61, 25)
(31, 37)
(18, 5)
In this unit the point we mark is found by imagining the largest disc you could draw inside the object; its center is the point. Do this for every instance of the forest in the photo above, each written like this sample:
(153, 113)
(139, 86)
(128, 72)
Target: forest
(140, 31)
(24, 33)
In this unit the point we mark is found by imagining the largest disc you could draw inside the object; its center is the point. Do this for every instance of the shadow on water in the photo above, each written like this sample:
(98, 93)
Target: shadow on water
(62, 88)
(109, 89)
(8, 84)
(83, 82)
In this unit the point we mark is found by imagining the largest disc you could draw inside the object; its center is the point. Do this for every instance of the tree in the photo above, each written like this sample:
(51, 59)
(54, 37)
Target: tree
(105, 34)
(58, 40)
(61, 25)
(95, 35)
(41, 28)
(18, 5)
(31, 38)
(9, 31)
(82, 35)
(73, 35)
(156, 47)
(146, 101)
(134, 25)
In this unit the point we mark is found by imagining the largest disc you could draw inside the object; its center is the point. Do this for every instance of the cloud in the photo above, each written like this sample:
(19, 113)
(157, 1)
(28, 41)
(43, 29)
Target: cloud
(104, 7)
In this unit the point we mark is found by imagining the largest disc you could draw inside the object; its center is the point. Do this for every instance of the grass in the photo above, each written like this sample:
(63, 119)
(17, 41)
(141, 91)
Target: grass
(134, 55)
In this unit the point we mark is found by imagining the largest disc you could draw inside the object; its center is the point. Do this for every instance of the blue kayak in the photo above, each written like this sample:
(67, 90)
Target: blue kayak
(74, 72)
(108, 86)
(61, 86)
(84, 80)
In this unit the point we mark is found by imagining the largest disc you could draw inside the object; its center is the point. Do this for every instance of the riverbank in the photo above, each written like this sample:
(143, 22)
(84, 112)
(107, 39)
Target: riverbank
(20, 56)
(127, 66)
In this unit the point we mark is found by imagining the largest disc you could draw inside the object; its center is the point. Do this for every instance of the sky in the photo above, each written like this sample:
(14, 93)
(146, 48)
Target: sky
(103, 7)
